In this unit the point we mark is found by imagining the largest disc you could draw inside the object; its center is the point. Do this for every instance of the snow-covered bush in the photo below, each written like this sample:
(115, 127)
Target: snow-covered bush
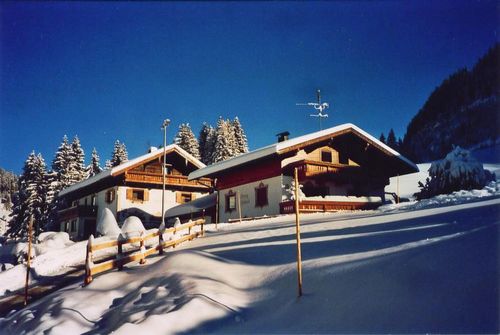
(107, 225)
(457, 171)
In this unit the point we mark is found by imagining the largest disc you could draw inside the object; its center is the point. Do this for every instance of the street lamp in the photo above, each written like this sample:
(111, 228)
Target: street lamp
(164, 126)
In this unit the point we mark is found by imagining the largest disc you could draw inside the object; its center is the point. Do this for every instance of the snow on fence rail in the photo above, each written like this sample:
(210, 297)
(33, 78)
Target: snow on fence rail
(132, 254)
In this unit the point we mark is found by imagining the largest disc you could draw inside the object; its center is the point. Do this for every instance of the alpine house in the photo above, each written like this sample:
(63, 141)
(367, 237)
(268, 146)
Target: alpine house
(342, 167)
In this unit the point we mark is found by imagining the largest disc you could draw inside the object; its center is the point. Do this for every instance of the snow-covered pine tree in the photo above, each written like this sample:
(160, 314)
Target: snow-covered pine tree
(206, 142)
(457, 171)
(186, 140)
(240, 137)
(119, 155)
(224, 142)
(78, 169)
(32, 198)
(94, 167)
(62, 165)
(108, 165)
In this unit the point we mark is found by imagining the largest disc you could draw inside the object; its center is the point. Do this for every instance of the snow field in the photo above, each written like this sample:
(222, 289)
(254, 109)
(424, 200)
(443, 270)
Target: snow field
(431, 270)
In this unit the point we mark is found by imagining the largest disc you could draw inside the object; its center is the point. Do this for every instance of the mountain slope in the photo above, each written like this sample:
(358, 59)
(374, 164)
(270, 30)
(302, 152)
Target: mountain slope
(463, 110)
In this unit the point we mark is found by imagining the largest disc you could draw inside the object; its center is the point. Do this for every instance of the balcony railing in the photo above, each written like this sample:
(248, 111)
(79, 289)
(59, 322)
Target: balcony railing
(309, 168)
(170, 180)
(78, 211)
(313, 206)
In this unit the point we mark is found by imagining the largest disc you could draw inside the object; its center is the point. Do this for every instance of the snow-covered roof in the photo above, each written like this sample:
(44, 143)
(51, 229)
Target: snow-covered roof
(281, 147)
(130, 164)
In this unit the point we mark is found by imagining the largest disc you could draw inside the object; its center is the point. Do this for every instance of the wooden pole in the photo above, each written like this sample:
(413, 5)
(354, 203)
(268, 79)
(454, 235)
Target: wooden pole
(239, 204)
(216, 210)
(28, 265)
(88, 261)
(297, 229)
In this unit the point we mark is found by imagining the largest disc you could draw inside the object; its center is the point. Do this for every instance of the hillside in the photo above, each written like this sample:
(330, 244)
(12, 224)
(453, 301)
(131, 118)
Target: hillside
(463, 110)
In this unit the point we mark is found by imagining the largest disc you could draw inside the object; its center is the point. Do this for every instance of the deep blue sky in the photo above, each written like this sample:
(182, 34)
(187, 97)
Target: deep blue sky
(107, 71)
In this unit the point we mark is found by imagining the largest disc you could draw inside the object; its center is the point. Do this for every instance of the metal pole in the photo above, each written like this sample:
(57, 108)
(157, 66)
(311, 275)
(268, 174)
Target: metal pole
(239, 204)
(28, 266)
(297, 229)
(165, 124)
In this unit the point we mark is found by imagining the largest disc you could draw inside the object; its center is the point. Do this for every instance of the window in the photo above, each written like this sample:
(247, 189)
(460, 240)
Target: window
(230, 201)
(73, 226)
(110, 196)
(74, 203)
(138, 195)
(93, 200)
(326, 156)
(183, 197)
(261, 195)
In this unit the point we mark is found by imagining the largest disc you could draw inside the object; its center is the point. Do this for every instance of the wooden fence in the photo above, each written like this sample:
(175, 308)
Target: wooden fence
(134, 254)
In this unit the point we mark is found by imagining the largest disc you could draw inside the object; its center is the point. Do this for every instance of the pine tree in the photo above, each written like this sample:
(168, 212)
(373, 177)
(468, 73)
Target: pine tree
(94, 167)
(119, 155)
(240, 137)
(108, 165)
(391, 139)
(187, 141)
(382, 138)
(205, 143)
(78, 170)
(224, 142)
(31, 198)
(62, 165)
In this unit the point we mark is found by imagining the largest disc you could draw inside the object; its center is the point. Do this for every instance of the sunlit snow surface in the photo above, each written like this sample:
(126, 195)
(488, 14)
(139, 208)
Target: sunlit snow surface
(417, 267)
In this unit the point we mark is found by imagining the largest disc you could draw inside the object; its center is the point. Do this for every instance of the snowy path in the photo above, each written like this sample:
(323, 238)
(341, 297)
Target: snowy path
(431, 270)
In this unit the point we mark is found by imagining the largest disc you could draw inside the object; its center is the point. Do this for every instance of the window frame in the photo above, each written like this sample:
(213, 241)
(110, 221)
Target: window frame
(228, 196)
(262, 199)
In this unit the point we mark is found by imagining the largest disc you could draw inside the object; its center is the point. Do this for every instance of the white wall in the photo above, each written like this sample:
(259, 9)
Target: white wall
(247, 199)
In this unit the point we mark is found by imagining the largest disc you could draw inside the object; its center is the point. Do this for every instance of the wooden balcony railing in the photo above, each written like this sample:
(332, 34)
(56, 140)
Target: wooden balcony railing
(172, 180)
(309, 168)
(78, 211)
(313, 206)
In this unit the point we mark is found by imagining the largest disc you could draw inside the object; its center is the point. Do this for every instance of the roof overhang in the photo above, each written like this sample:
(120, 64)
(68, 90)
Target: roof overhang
(354, 139)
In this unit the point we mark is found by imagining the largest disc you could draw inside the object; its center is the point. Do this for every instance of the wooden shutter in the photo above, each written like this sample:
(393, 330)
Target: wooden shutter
(178, 197)
(146, 195)
(130, 193)
(193, 196)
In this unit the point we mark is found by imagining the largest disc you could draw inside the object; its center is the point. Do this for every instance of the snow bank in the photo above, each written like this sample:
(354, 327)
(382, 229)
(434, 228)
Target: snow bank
(107, 225)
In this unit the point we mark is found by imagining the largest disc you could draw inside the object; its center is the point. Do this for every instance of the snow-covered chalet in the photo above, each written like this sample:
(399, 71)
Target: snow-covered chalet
(132, 188)
(342, 167)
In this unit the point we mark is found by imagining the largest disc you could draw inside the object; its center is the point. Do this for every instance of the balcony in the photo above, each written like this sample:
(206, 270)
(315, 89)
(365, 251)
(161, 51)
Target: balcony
(309, 168)
(77, 211)
(170, 180)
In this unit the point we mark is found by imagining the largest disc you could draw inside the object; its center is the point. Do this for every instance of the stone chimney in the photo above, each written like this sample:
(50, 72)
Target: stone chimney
(283, 136)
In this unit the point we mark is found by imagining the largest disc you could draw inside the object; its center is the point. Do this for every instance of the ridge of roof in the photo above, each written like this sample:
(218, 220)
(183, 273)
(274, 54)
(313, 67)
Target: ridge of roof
(280, 146)
(120, 168)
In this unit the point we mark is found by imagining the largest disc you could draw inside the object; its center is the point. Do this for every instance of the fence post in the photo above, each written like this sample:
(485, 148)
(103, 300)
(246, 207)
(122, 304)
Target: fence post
(88, 261)
(202, 227)
(160, 240)
(28, 265)
(142, 250)
(119, 254)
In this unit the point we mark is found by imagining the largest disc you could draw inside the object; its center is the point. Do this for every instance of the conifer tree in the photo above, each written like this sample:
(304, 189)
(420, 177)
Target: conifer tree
(206, 143)
(224, 142)
(31, 198)
(382, 138)
(108, 165)
(78, 169)
(94, 167)
(119, 155)
(62, 165)
(391, 139)
(186, 140)
(240, 137)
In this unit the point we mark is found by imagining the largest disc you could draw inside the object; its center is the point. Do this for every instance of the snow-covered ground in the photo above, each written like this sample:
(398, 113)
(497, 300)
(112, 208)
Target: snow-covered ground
(431, 270)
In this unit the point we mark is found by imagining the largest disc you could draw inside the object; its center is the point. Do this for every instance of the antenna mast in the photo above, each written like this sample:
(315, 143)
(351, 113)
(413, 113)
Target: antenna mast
(319, 106)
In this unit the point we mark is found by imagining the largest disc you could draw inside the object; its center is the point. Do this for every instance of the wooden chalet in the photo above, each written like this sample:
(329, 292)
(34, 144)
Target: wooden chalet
(132, 188)
(339, 168)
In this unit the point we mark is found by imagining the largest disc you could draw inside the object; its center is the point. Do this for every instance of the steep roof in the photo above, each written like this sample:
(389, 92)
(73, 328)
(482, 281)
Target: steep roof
(291, 144)
(117, 170)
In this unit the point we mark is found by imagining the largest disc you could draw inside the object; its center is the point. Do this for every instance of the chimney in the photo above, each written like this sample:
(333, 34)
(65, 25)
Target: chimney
(283, 136)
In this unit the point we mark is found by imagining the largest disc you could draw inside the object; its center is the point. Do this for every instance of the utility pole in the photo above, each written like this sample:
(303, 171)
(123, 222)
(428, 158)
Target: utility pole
(164, 126)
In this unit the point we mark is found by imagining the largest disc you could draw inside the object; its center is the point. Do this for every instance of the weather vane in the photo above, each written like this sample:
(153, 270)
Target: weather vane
(319, 106)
